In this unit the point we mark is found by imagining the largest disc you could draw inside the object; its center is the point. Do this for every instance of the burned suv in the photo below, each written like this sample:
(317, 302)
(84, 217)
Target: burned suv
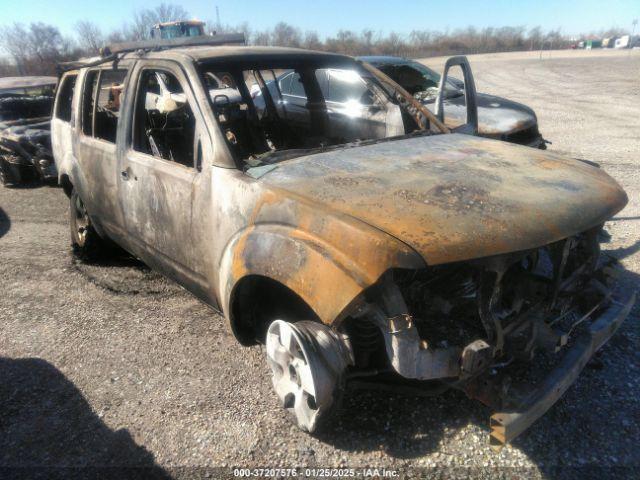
(25, 140)
(393, 249)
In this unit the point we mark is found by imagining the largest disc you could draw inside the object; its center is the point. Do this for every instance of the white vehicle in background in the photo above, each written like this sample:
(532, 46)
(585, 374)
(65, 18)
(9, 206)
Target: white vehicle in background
(622, 42)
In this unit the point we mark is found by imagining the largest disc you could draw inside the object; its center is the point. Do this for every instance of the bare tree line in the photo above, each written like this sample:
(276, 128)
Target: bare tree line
(36, 49)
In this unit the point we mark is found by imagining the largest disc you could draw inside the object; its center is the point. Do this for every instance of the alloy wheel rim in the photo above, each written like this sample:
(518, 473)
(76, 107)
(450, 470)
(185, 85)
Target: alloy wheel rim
(293, 376)
(81, 220)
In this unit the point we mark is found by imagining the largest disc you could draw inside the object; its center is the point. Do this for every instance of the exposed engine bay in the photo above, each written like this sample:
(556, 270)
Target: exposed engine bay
(502, 308)
(470, 325)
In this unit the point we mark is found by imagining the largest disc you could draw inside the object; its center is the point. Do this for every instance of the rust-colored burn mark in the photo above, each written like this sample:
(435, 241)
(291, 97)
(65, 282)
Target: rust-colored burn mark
(453, 197)
(331, 224)
(350, 181)
(327, 259)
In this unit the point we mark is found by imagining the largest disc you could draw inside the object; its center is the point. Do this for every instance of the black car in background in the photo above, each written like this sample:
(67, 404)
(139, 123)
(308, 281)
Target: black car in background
(25, 133)
(498, 117)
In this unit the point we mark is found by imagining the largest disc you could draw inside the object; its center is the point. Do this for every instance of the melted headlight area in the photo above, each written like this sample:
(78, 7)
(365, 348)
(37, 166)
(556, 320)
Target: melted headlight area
(457, 321)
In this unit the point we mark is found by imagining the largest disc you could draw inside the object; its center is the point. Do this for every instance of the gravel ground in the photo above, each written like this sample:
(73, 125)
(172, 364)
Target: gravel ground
(112, 365)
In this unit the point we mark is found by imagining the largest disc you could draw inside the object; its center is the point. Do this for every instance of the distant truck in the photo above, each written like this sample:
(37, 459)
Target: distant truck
(180, 28)
(622, 42)
(590, 44)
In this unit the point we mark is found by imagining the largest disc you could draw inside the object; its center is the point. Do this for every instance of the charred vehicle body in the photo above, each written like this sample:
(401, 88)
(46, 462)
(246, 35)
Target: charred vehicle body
(394, 249)
(25, 139)
(498, 117)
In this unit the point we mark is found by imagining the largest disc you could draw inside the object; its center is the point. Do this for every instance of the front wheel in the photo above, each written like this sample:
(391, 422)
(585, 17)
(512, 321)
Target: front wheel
(308, 361)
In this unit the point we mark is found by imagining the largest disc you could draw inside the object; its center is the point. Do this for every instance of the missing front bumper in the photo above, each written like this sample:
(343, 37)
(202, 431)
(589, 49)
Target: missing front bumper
(507, 425)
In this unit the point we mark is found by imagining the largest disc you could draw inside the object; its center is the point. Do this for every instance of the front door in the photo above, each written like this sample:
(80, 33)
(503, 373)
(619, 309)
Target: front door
(159, 174)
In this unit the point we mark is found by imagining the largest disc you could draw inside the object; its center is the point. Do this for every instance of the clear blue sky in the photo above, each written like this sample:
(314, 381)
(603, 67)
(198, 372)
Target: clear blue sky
(328, 16)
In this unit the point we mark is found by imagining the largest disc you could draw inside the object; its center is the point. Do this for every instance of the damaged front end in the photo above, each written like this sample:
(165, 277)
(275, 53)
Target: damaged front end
(25, 136)
(25, 152)
(473, 325)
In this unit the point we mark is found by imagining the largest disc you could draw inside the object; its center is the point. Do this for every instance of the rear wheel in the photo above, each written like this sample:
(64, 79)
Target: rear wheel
(85, 241)
(308, 361)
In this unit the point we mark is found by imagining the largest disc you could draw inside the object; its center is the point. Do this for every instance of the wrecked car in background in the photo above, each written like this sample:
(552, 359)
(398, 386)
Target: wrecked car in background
(394, 250)
(498, 117)
(25, 140)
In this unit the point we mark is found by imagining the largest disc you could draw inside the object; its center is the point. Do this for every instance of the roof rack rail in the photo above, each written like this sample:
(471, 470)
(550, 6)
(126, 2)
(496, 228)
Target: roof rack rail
(63, 67)
(112, 52)
(165, 43)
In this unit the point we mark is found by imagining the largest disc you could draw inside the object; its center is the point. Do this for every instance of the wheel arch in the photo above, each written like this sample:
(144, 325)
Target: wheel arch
(304, 271)
(257, 300)
(67, 185)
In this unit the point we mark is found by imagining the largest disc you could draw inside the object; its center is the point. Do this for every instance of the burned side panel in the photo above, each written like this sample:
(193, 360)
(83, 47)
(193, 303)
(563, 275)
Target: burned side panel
(325, 258)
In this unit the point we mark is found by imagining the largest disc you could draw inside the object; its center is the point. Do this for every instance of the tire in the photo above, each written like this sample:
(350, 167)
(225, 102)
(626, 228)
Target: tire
(85, 241)
(308, 363)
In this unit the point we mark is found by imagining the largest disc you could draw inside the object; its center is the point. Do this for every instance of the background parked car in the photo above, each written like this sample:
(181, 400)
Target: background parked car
(498, 117)
(25, 138)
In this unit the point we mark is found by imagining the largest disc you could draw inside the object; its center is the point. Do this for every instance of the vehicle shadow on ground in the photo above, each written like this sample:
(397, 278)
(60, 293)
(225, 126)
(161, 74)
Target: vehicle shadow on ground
(113, 256)
(402, 425)
(119, 272)
(5, 223)
(591, 428)
(48, 428)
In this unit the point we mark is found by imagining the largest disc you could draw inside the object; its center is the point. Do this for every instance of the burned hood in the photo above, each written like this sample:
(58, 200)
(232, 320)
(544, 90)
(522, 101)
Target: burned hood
(454, 197)
(496, 116)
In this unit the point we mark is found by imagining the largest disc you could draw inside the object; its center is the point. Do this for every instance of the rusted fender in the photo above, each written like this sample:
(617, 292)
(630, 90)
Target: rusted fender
(325, 257)
(456, 197)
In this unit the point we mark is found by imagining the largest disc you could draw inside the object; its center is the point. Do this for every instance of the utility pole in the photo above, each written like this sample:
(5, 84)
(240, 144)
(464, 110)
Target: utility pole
(217, 18)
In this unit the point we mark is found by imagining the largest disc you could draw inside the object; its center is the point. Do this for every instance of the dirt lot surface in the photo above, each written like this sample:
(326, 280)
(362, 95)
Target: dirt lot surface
(112, 365)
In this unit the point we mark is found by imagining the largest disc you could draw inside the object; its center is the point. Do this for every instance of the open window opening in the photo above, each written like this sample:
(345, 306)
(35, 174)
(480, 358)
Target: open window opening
(164, 124)
(273, 110)
(101, 102)
(65, 98)
(110, 96)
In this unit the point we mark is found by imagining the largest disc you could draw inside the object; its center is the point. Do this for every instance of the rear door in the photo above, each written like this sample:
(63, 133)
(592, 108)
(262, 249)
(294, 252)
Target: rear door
(63, 120)
(96, 146)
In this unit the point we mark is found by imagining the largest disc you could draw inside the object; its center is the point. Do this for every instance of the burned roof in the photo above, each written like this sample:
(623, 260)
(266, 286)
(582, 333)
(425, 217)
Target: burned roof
(206, 53)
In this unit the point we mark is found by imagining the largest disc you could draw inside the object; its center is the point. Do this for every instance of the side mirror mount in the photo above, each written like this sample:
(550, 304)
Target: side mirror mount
(471, 125)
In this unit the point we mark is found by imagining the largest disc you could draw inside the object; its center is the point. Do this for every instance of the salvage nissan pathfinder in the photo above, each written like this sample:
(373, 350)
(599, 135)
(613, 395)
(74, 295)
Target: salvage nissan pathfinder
(360, 240)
